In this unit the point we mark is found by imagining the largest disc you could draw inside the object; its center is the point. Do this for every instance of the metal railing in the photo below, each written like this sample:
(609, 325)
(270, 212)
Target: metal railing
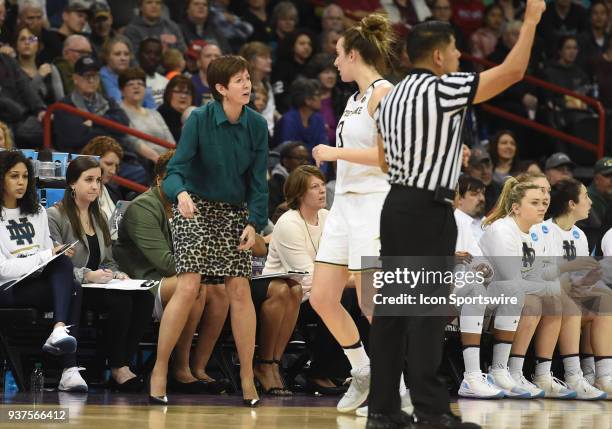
(122, 181)
(598, 148)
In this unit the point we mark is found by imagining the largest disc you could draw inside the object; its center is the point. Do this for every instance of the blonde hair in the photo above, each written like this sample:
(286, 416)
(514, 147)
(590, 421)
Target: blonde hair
(372, 38)
(8, 138)
(527, 177)
(513, 192)
(172, 60)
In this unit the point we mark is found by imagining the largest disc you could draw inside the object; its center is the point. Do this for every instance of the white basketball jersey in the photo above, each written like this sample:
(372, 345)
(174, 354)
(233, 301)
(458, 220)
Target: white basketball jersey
(357, 130)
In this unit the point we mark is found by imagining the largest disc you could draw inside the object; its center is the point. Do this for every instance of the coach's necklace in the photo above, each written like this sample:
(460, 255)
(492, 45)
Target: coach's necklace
(316, 249)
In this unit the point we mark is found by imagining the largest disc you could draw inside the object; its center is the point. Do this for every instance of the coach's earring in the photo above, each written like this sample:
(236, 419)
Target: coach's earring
(73, 194)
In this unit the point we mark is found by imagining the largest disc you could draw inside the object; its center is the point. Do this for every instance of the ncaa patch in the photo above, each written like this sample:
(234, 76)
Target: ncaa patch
(576, 234)
(544, 229)
(534, 236)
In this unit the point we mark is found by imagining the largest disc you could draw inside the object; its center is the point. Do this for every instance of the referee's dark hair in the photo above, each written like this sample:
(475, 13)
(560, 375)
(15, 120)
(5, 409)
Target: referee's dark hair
(298, 182)
(561, 194)
(468, 183)
(303, 89)
(428, 36)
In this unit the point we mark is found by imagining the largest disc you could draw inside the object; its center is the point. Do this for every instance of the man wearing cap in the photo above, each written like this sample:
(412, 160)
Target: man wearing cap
(151, 24)
(558, 166)
(75, 46)
(202, 93)
(101, 23)
(480, 167)
(74, 18)
(192, 55)
(72, 132)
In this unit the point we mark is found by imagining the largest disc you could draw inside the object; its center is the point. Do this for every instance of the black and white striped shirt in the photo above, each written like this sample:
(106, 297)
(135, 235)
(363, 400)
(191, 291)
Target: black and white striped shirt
(420, 121)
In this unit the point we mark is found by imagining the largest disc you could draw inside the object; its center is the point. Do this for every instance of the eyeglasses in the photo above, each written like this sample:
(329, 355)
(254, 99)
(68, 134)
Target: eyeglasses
(90, 77)
(29, 39)
(181, 92)
(134, 84)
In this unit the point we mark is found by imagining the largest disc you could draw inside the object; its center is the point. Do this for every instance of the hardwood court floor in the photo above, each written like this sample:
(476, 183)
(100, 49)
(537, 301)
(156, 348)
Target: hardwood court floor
(114, 411)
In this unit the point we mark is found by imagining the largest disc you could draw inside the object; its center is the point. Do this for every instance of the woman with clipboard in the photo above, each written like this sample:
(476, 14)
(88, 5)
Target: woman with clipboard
(25, 243)
(78, 218)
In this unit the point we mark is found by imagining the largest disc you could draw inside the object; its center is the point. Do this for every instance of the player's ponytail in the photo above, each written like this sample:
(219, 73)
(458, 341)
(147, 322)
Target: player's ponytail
(513, 192)
(372, 38)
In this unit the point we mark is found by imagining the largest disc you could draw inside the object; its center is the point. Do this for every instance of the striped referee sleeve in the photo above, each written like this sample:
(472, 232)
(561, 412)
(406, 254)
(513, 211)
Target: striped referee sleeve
(456, 91)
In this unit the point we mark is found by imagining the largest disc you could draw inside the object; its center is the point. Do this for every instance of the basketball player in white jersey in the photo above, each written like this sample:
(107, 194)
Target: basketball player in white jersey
(568, 243)
(352, 227)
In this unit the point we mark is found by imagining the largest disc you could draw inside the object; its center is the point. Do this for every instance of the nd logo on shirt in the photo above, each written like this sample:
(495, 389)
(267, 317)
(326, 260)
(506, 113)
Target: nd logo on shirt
(528, 256)
(21, 232)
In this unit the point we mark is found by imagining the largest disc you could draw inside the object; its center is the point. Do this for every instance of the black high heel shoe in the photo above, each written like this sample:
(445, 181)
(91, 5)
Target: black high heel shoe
(156, 400)
(274, 390)
(251, 403)
(132, 385)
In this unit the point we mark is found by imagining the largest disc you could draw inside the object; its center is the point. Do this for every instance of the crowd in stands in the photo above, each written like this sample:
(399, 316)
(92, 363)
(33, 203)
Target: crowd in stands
(148, 71)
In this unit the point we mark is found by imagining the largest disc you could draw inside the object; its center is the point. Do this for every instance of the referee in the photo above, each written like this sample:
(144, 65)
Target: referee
(420, 123)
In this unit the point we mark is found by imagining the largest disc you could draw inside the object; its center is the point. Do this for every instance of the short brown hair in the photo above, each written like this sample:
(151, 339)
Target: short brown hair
(162, 164)
(181, 82)
(132, 73)
(297, 184)
(221, 70)
(101, 145)
(252, 50)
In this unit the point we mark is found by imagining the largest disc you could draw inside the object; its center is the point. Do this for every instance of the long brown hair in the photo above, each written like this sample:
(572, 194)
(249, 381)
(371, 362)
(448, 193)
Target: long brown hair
(68, 204)
(297, 184)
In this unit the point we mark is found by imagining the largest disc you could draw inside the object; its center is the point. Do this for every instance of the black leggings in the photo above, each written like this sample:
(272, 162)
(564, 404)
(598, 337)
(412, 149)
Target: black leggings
(129, 314)
(55, 285)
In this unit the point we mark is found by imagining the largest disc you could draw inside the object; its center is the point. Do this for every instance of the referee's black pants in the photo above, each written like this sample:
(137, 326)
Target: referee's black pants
(412, 224)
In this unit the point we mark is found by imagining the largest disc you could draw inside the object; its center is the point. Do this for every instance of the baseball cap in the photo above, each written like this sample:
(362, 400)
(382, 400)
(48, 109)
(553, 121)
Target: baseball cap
(86, 64)
(100, 8)
(195, 47)
(76, 6)
(479, 154)
(604, 166)
(557, 160)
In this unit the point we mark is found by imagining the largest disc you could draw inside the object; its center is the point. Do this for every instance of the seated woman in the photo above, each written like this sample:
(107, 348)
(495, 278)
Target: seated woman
(294, 245)
(177, 98)
(504, 155)
(117, 56)
(24, 244)
(144, 250)
(110, 153)
(132, 83)
(78, 217)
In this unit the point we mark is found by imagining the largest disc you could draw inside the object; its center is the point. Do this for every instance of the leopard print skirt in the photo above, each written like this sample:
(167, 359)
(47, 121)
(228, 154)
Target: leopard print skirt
(208, 243)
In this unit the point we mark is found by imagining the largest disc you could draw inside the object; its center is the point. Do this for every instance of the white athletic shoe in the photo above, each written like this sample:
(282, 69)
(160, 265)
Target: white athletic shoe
(406, 406)
(605, 384)
(590, 377)
(553, 387)
(522, 382)
(477, 385)
(357, 392)
(502, 379)
(584, 390)
(60, 342)
(72, 381)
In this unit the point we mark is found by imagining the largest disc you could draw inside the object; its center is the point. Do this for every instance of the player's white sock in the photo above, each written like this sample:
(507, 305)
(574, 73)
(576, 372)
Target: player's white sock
(357, 355)
(542, 366)
(603, 366)
(587, 363)
(515, 364)
(471, 358)
(501, 352)
(571, 365)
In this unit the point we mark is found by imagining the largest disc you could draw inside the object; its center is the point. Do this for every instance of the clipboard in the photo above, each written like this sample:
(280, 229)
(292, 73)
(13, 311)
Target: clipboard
(295, 275)
(117, 284)
(6, 286)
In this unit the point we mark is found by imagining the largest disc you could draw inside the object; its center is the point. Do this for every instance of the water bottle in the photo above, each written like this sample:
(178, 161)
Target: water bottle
(10, 385)
(37, 379)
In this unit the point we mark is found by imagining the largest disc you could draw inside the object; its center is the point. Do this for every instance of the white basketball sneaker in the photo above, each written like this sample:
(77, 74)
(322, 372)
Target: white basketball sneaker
(477, 385)
(60, 342)
(605, 384)
(501, 378)
(357, 392)
(522, 382)
(72, 381)
(553, 387)
(406, 405)
(584, 390)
